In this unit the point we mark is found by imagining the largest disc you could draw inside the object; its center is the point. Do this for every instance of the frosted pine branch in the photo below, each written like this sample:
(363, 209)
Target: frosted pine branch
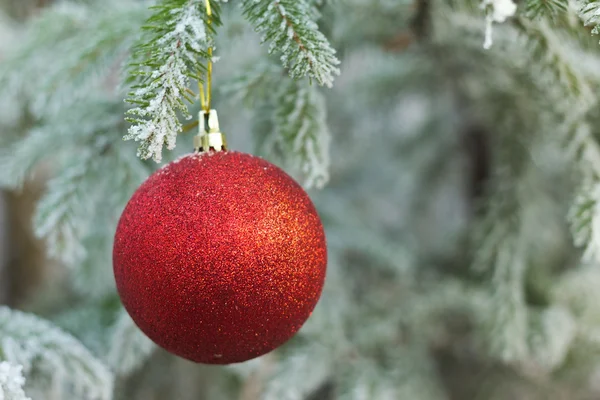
(577, 290)
(67, 129)
(162, 67)
(53, 356)
(80, 145)
(91, 40)
(502, 251)
(589, 12)
(508, 316)
(410, 375)
(290, 121)
(551, 336)
(299, 374)
(535, 8)
(11, 382)
(300, 124)
(129, 347)
(290, 28)
(58, 215)
(585, 222)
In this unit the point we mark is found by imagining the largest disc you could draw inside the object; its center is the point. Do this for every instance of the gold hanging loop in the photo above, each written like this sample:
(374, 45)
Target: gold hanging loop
(205, 95)
(210, 137)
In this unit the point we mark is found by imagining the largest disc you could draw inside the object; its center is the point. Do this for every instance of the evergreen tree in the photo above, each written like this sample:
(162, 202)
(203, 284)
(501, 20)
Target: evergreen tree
(450, 147)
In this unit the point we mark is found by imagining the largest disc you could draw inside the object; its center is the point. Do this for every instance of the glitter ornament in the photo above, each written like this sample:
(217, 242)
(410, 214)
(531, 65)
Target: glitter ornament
(219, 257)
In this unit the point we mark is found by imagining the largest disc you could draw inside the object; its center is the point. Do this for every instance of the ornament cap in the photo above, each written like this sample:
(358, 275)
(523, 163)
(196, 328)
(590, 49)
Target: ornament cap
(210, 136)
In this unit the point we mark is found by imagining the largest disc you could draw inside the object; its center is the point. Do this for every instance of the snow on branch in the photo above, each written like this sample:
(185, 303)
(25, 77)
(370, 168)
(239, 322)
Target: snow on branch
(91, 41)
(11, 382)
(536, 8)
(301, 131)
(585, 221)
(162, 65)
(290, 121)
(129, 347)
(508, 318)
(59, 212)
(496, 11)
(52, 357)
(299, 374)
(290, 28)
(589, 12)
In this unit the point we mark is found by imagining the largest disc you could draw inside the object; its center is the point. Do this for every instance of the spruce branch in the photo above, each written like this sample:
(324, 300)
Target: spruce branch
(91, 42)
(290, 121)
(584, 217)
(255, 85)
(62, 132)
(59, 214)
(290, 27)
(129, 348)
(589, 12)
(52, 357)
(508, 317)
(554, 50)
(299, 374)
(552, 333)
(576, 290)
(301, 128)
(296, 130)
(410, 374)
(81, 144)
(169, 55)
(11, 382)
(538, 8)
(80, 240)
(501, 250)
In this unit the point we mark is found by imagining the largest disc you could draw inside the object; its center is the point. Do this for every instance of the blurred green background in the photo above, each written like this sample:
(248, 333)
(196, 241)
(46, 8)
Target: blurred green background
(458, 180)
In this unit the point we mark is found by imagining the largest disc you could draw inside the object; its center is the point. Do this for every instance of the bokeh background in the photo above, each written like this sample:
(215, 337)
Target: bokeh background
(460, 205)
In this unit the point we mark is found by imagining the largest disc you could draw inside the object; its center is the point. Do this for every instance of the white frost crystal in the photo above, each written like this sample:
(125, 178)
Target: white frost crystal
(157, 123)
(11, 382)
(499, 11)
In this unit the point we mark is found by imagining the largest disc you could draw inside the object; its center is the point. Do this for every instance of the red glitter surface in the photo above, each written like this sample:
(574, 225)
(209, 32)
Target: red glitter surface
(220, 257)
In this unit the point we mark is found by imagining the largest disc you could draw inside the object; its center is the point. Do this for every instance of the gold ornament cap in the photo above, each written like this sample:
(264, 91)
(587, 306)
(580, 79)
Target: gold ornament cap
(210, 136)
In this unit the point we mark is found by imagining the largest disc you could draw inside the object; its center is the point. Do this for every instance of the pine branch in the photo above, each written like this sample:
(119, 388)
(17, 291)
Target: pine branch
(411, 374)
(255, 84)
(589, 12)
(538, 8)
(290, 122)
(52, 357)
(11, 382)
(567, 90)
(508, 314)
(300, 123)
(289, 25)
(63, 218)
(81, 144)
(170, 54)
(61, 214)
(551, 337)
(585, 220)
(93, 275)
(577, 291)
(91, 320)
(91, 42)
(292, 125)
(299, 374)
(129, 348)
(62, 133)
(554, 50)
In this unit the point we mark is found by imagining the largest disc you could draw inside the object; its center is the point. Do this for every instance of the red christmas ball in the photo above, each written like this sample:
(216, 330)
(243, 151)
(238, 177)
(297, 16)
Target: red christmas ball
(220, 257)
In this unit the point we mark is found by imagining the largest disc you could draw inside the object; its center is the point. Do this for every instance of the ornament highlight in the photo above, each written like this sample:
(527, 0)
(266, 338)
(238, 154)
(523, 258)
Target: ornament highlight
(220, 257)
